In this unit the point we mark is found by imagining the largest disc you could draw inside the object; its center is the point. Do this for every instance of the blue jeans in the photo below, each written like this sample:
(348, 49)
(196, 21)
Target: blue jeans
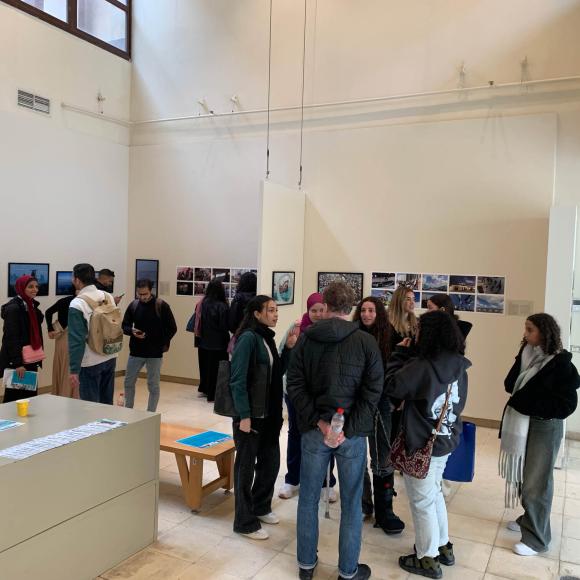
(428, 509)
(97, 383)
(294, 453)
(351, 459)
(134, 365)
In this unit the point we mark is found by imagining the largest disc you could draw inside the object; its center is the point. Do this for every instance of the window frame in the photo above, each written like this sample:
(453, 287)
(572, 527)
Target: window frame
(71, 26)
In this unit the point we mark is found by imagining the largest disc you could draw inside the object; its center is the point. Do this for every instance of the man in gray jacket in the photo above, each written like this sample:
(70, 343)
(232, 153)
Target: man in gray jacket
(334, 365)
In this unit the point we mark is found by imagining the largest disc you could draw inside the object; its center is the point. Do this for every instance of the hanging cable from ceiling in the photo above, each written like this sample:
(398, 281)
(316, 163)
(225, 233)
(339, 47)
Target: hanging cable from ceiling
(303, 86)
(269, 91)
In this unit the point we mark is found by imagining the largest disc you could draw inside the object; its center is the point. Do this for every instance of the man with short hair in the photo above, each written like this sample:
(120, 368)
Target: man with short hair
(105, 282)
(334, 365)
(92, 374)
(150, 324)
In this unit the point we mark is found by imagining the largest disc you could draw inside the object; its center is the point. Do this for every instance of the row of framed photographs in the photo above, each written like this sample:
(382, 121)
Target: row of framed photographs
(483, 303)
(41, 271)
(191, 281)
(484, 294)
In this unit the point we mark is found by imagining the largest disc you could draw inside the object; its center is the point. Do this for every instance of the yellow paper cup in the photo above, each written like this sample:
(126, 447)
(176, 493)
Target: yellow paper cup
(22, 407)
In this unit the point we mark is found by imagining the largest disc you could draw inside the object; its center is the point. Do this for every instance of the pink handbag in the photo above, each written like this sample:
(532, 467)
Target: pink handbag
(31, 356)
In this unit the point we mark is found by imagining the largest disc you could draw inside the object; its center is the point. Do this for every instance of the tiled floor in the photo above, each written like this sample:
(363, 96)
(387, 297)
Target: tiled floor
(203, 545)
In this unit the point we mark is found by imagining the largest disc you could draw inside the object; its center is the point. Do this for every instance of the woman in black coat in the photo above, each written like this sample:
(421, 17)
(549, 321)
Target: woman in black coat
(542, 383)
(245, 291)
(22, 328)
(212, 342)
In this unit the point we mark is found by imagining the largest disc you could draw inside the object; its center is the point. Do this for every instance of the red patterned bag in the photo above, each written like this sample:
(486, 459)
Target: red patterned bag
(416, 464)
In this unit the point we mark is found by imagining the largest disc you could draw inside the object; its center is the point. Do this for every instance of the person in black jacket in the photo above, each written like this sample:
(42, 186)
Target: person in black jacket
(58, 331)
(22, 327)
(245, 291)
(212, 342)
(372, 316)
(444, 302)
(543, 384)
(151, 325)
(432, 383)
(335, 365)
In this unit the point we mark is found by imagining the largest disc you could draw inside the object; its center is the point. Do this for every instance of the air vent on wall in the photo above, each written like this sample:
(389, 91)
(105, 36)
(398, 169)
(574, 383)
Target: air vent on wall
(33, 102)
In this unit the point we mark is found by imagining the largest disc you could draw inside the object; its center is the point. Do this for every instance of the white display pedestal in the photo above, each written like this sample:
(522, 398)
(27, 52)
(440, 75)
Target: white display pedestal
(74, 512)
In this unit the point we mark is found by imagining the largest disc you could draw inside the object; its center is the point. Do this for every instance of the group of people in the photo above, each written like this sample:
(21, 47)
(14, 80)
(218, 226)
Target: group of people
(80, 370)
(393, 376)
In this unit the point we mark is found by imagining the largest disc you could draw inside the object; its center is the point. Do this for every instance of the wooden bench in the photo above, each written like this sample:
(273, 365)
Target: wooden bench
(192, 474)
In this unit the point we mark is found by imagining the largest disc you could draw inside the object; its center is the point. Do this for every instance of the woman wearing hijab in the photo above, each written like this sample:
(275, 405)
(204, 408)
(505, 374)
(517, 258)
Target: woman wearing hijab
(22, 332)
(314, 312)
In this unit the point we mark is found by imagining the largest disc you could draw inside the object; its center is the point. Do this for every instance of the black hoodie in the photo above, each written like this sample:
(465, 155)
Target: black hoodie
(422, 383)
(336, 365)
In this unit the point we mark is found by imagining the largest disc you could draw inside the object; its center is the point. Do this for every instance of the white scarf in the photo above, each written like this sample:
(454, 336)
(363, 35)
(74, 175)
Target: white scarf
(515, 427)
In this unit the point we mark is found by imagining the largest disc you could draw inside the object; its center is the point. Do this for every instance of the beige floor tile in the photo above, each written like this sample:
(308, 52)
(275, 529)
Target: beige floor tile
(384, 563)
(506, 563)
(558, 505)
(285, 567)
(148, 565)
(572, 490)
(238, 557)
(572, 508)
(197, 572)
(570, 550)
(472, 555)
(164, 526)
(186, 543)
(569, 569)
(473, 506)
(493, 577)
(474, 529)
(459, 573)
(571, 527)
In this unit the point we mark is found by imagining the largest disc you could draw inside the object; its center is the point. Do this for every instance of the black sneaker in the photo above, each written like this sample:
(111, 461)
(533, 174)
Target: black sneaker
(305, 574)
(446, 555)
(426, 566)
(363, 572)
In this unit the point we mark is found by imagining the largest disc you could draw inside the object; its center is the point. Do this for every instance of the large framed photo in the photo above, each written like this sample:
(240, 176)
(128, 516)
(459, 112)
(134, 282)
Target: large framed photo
(39, 271)
(64, 285)
(283, 287)
(352, 279)
(147, 270)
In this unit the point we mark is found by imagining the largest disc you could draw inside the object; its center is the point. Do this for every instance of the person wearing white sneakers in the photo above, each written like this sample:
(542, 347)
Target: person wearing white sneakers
(542, 383)
(314, 313)
(256, 384)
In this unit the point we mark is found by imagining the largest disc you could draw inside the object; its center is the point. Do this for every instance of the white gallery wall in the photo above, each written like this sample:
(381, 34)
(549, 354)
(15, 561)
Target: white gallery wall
(440, 183)
(63, 178)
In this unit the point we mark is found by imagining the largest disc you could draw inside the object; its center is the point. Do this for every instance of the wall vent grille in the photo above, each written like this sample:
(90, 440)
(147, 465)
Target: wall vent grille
(33, 102)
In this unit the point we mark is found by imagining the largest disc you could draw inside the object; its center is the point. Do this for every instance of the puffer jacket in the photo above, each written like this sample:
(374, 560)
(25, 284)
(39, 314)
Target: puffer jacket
(336, 365)
(16, 332)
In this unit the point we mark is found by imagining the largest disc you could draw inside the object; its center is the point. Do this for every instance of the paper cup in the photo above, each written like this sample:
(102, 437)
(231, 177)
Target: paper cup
(22, 407)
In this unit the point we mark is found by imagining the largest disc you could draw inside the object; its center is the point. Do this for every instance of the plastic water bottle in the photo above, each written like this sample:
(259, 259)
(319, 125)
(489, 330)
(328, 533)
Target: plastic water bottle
(336, 426)
(121, 400)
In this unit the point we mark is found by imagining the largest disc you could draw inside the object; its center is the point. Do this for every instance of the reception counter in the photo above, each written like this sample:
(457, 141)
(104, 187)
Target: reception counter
(75, 511)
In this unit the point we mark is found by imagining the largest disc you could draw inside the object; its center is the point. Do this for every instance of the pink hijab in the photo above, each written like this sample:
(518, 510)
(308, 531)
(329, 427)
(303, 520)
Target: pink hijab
(313, 299)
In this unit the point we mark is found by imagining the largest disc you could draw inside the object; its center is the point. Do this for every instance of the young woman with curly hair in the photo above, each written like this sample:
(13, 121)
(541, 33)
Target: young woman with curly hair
(542, 383)
(425, 378)
(444, 302)
(372, 317)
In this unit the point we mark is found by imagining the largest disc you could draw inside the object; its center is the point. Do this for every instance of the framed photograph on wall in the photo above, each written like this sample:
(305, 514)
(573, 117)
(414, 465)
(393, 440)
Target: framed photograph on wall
(38, 270)
(352, 279)
(283, 287)
(64, 285)
(147, 269)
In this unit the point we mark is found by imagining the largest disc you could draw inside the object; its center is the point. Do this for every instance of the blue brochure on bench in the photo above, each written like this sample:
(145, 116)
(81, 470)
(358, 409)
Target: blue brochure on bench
(205, 439)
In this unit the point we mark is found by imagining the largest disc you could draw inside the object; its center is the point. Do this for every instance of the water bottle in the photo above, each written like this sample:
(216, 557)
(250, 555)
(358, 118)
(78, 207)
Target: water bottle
(121, 399)
(336, 426)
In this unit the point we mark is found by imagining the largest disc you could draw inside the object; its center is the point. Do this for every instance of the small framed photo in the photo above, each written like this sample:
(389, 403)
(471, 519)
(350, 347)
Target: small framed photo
(352, 279)
(184, 289)
(149, 270)
(38, 270)
(222, 273)
(64, 285)
(283, 287)
(184, 274)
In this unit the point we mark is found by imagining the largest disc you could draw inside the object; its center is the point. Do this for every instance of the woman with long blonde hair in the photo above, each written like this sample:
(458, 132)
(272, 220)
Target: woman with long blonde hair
(402, 316)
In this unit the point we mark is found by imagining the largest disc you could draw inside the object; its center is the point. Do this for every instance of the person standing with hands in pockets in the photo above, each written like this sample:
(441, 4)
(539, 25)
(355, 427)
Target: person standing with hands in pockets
(256, 384)
(335, 365)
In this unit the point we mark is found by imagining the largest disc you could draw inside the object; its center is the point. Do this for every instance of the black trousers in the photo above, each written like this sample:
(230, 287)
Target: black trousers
(15, 394)
(209, 361)
(255, 471)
